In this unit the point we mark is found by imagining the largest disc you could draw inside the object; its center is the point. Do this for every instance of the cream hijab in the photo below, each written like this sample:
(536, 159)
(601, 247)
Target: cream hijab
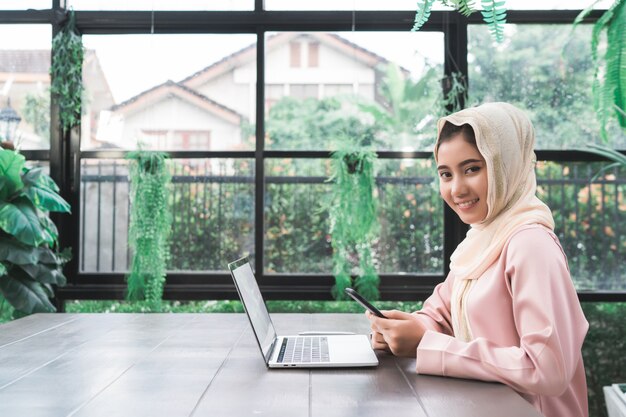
(505, 138)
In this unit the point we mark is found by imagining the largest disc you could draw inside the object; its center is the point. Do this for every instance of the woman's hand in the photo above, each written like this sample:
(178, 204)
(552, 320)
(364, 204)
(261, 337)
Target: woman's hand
(399, 333)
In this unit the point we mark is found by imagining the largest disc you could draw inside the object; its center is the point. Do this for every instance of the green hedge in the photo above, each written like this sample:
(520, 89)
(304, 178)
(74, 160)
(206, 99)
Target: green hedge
(604, 351)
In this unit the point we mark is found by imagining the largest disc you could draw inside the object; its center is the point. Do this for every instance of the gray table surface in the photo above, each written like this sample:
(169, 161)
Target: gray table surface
(210, 365)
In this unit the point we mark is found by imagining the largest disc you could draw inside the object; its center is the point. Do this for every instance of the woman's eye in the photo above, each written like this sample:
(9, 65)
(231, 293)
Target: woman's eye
(472, 169)
(444, 174)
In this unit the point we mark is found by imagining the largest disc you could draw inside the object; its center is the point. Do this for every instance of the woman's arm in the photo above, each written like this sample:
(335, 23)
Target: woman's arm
(547, 317)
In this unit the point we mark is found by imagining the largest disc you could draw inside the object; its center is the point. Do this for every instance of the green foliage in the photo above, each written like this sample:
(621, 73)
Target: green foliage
(67, 73)
(619, 160)
(553, 88)
(422, 14)
(454, 92)
(403, 113)
(494, 14)
(603, 351)
(353, 219)
(29, 259)
(465, 7)
(609, 80)
(312, 124)
(150, 226)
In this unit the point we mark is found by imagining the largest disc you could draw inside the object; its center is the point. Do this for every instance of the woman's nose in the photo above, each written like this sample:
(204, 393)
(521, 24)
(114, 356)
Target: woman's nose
(459, 187)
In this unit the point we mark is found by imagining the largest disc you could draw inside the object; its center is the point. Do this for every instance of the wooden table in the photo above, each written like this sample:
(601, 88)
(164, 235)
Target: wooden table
(209, 365)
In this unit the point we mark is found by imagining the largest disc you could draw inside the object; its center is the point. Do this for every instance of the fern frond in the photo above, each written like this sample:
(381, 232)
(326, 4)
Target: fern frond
(581, 16)
(609, 81)
(494, 14)
(615, 59)
(466, 7)
(422, 14)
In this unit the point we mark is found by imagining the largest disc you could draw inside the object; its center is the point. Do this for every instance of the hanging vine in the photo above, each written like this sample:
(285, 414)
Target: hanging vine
(353, 220)
(609, 81)
(493, 11)
(150, 226)
(453, 94)
(67, 73)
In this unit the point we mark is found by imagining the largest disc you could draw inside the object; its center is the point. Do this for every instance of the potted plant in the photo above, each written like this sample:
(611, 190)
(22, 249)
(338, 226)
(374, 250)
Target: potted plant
(353, 220)
(30, 262)
(150, 226)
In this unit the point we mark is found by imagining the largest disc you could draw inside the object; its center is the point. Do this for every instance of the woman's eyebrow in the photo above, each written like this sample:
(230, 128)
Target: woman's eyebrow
(467, 161)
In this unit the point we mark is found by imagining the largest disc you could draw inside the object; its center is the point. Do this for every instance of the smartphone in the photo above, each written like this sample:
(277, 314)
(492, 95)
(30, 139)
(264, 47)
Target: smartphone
(359, 299)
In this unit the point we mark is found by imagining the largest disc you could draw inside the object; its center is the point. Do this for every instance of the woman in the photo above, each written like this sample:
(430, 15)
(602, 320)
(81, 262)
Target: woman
(508, 310)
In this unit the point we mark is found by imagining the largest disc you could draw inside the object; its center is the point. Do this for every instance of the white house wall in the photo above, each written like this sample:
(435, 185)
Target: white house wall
(174, 114)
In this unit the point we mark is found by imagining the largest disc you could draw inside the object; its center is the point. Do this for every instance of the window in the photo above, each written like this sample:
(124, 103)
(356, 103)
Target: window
(250, 161)
(314, 51)
(168, 83)
(25, 83)
(295, 54)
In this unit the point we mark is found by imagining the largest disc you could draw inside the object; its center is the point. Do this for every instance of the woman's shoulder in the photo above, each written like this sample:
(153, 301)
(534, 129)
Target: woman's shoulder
(534, 239)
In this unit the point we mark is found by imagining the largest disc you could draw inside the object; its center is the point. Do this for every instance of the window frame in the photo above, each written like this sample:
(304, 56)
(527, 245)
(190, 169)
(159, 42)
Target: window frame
(64, 155)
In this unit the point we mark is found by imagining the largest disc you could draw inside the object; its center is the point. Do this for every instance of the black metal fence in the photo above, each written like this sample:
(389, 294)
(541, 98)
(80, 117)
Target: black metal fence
(213, 219)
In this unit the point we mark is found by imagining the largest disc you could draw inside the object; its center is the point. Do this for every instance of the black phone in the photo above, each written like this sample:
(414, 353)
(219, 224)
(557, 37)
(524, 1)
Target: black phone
(359, 299)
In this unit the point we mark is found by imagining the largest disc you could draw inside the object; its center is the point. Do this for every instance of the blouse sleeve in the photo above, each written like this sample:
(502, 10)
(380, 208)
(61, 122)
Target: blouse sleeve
(435, 313)
(547, 316)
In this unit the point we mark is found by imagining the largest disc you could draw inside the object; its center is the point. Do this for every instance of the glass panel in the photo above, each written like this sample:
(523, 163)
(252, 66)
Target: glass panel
(169, 92)
(327, 89)
(411, 4)
(161, 5)
(25, 4)
(590, 221)
(212, 202)
(546, 70)
(25, 84)
(297, 227)
(555, 4)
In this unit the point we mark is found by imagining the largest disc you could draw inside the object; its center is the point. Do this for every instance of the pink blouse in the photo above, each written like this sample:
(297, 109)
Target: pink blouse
(527, 324)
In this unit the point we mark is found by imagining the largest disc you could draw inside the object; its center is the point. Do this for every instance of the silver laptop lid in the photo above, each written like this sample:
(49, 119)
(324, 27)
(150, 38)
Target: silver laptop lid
(253, 303)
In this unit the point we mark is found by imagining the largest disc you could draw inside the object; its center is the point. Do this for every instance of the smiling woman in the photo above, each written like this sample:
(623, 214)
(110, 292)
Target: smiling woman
(508, 310)
(462, 173)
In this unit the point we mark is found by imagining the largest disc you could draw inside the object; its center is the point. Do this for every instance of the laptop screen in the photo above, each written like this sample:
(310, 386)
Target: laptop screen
(253, 303)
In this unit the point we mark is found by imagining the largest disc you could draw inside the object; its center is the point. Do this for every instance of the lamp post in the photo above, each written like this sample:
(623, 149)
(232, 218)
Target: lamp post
(9, 119)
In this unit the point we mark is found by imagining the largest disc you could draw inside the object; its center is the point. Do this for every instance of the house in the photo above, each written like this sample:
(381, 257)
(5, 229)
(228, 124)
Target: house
(206, 110)
(25, 84)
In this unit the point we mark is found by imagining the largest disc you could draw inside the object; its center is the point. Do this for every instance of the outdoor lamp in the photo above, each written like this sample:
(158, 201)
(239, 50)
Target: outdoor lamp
(9, 119)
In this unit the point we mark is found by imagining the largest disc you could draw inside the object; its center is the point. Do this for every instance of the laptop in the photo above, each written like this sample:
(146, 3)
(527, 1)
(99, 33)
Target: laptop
(323, 350)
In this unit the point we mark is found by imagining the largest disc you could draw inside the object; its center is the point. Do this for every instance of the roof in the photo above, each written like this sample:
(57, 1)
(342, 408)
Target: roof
(173, 88)
(248, 54)
(32, 61)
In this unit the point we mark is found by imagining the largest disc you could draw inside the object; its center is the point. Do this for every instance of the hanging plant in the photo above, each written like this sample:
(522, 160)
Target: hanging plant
(353, 220)
(609, 82)
(67, 73)
(493, 11)
(453, 93)
(150, 226)
(30, 262)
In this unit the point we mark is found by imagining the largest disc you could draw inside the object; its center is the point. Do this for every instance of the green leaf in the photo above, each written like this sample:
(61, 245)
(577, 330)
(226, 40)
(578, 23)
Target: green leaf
(422, 14)
(20, 220)
(494, 14)
(46, 199)
(46, 274)
(25, 295)
(13, 251)
(38, 176)
(11, 164)
(3, 269)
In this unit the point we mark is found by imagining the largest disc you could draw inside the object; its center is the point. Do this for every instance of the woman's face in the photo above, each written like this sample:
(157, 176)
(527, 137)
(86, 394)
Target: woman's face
(463, 179)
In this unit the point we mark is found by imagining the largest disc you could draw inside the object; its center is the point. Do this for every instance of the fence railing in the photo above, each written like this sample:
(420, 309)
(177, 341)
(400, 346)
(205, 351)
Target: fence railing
(213, 221)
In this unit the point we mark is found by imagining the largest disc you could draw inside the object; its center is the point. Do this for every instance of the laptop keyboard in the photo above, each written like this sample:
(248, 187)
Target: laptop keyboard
(304, 350)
